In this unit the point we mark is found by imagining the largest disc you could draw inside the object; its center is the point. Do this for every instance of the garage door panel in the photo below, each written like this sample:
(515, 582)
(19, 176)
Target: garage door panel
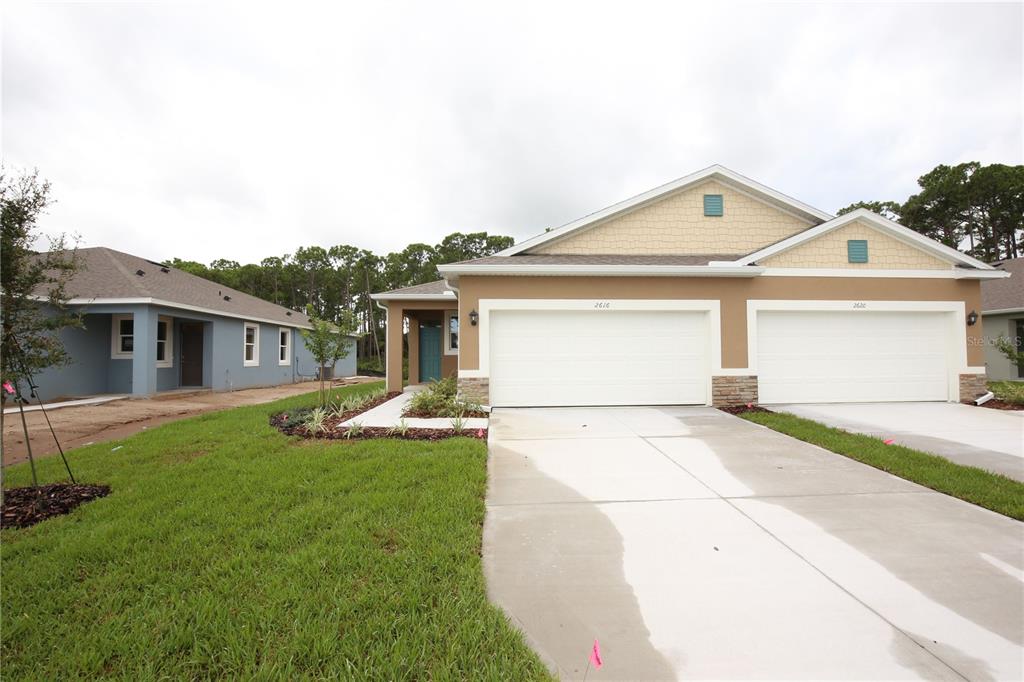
(598, 358)
(852, 356)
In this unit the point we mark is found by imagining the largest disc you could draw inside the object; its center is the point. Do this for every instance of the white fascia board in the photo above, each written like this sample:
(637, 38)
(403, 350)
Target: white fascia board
(601, 270)
(445, 296)
(708, 173)
(899, 274)
(1002, 311)
(904, 234)
(176, 306)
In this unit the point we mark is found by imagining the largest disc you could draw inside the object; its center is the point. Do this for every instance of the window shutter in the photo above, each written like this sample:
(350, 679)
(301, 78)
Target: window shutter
(857, 250)
(713, 205)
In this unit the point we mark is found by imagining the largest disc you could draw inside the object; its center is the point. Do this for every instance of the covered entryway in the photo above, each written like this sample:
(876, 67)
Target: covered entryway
(598, 357)
(816, 356)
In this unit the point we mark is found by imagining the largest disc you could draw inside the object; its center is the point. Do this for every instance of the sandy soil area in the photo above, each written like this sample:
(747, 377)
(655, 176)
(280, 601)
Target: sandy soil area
(77, 426)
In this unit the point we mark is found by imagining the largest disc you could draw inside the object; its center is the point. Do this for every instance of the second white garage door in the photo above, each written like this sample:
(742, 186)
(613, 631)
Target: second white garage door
(600, 357)
(853, 356)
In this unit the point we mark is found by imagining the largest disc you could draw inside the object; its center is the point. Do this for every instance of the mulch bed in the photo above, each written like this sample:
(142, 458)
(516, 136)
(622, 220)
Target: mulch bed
(997, 404)
(369, 432)
(742, 409)
(27, 506)
(333, 432)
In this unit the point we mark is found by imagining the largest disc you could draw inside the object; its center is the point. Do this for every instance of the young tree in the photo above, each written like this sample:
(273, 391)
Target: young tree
(328, 343)
(33, 286)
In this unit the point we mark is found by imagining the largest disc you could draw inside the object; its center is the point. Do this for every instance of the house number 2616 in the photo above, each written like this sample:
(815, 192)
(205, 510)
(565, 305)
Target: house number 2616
(602, 304)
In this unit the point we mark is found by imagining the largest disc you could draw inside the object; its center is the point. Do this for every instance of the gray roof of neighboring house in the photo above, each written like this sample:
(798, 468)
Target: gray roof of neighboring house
(1006, 293)
(109, 274)
(599, 259)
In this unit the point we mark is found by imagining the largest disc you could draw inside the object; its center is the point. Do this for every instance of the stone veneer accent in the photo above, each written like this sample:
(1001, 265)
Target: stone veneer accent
(729, 390)
(971, 386)
(476, 390)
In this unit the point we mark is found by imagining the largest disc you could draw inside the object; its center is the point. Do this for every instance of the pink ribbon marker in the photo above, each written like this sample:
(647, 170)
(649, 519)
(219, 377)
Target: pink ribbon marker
(9, 388)
(595, 656)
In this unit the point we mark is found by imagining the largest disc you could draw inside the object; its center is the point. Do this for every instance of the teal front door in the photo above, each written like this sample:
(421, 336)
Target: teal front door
(430, 353)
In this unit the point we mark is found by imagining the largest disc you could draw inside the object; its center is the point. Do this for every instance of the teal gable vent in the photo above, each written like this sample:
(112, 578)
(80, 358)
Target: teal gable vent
(857, 250)
(713, 205)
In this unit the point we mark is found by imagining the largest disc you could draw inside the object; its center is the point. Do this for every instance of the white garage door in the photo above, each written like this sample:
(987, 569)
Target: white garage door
(852, 356)
(600, 357)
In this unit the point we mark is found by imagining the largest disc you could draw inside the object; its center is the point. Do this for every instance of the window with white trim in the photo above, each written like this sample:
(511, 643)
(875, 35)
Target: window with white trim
(451, 333)
(164, 342)
(122, 337)
(251, 345)
(284, 346)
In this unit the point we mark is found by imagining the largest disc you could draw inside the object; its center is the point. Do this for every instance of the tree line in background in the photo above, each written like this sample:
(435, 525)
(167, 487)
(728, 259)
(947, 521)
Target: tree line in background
(332, 281)
(977, 209)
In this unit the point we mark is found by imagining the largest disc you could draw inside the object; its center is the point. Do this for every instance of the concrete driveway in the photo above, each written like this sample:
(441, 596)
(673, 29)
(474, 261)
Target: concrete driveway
(696, 545)
(976, 436)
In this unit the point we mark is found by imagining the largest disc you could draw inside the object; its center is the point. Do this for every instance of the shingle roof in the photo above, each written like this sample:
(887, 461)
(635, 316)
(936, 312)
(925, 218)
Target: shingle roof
(599, 259)
(1006, 293)
(438, 289)
(110, 274)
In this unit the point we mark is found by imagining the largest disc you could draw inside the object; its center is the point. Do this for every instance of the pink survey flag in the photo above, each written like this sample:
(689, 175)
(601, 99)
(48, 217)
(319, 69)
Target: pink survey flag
(8, 387)
(889, 441)
(595, 656)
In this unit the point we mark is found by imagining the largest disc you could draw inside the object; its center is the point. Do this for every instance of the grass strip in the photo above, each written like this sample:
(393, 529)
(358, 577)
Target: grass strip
(996, 492)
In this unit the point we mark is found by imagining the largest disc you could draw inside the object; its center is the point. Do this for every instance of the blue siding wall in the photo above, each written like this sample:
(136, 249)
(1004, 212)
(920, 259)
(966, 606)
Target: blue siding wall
(93, 371)
(89, 349)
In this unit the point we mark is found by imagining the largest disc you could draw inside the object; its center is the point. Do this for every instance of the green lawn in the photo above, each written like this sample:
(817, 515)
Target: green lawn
(1008, 391)
(229, 550)
(992, 491)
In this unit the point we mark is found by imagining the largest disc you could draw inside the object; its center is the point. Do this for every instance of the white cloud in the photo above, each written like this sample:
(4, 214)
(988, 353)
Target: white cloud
(238, 131)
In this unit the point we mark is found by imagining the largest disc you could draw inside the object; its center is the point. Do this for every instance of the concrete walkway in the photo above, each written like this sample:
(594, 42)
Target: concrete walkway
(975, 436)
(696, 545)
(389, 414)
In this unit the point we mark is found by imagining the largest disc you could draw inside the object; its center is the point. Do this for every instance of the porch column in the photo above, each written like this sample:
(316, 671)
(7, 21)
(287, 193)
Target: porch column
(393, 347)
(144, 351)
(414, 349)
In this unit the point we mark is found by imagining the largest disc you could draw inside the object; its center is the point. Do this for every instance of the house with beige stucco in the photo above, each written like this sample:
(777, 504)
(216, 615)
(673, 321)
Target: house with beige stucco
(710, 290)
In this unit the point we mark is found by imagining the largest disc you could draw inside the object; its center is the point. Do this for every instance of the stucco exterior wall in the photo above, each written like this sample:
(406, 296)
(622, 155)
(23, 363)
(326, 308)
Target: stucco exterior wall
(676, 224)
(733, 294)
(999, 367)
(829, 251)
(397, 311)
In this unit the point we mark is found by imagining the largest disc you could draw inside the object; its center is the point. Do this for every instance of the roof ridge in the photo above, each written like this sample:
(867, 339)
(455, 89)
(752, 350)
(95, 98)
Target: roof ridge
(134, 280)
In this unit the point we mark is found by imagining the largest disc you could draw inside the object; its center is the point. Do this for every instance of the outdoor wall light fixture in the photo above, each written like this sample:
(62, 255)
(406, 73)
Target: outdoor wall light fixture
(474, 317)
(972, 318)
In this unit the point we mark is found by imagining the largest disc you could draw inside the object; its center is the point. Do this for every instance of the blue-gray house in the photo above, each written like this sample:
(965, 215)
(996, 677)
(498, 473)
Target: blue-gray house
(151, 328)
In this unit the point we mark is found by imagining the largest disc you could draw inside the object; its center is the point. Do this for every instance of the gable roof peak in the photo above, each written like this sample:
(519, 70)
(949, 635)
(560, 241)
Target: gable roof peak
(715, 171)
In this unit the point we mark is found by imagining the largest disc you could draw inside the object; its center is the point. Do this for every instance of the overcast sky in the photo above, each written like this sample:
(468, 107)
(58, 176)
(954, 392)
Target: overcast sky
(210, 130)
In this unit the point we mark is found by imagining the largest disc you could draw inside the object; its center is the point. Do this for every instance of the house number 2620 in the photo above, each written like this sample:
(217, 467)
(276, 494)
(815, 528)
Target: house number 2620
(602, 304)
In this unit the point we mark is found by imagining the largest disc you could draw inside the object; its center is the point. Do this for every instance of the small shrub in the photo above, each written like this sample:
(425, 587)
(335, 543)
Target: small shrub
(458, 423)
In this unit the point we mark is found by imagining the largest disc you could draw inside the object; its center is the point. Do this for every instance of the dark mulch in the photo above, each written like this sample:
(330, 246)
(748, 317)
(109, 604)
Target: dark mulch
(742, 409)
(369, 432)
(290, 422)
(997, 404)
(428, 414)
(24, 507)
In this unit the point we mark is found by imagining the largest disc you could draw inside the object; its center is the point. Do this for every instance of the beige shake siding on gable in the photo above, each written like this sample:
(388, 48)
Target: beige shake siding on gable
(829, 251)
(677, 225)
